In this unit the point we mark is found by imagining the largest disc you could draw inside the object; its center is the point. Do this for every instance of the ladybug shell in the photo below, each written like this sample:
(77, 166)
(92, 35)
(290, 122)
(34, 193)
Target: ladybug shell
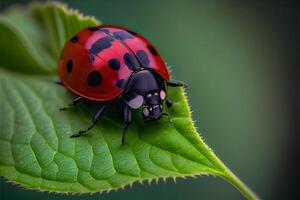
(97, 62)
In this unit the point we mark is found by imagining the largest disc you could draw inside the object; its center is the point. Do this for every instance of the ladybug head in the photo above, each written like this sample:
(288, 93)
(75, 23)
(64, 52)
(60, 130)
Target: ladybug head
(152, 108)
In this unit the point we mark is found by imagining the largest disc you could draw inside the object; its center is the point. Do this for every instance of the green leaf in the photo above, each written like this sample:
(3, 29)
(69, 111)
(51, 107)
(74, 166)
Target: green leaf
(36, 149)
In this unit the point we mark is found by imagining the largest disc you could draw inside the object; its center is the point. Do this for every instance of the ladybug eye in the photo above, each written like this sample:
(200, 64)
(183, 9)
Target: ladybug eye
(145, 112)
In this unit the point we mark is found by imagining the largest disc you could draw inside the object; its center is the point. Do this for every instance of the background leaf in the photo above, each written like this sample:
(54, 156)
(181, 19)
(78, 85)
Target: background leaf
(36, 150)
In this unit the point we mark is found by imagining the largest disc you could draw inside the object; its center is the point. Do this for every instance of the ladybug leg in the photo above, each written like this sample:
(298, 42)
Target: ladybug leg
(74, 103)
(127, 119)
(59, 82)
(170, 121)
(168, 103)
(174, 83)
(95, 120)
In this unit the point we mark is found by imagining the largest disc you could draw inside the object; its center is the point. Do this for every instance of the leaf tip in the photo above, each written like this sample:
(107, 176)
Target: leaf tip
(63, 7)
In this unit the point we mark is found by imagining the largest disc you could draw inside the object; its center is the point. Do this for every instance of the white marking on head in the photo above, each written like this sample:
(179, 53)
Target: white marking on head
(136, 102)
(155, 106)
(162, 95)
(145, 112)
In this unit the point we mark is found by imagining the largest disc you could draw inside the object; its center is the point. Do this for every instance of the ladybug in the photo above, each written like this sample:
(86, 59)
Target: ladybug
(106, 63)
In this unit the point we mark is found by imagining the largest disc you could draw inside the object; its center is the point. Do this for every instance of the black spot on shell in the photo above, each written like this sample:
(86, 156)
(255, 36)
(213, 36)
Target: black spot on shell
(101, 44)
(94, 78)
(131, 61)
(93, 29)
(104, 30)
(152, 50)
(131, 32)
(143, 57)
(114, 64)
(69, 66)
(121, 83)
(74, 39)
(122, 35)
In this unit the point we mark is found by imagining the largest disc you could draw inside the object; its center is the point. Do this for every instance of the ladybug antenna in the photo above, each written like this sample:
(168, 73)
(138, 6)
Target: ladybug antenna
(170, 121)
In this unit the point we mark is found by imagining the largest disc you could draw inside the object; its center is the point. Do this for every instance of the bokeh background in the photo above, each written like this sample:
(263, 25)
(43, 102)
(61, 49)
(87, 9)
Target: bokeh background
(241, 63)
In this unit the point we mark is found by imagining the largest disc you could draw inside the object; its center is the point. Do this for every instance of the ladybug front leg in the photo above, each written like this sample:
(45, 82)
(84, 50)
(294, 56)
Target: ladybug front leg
(75, 102)
(127, 119)
(95, 120)
(59, 83)
(175, 83)
(168, 102)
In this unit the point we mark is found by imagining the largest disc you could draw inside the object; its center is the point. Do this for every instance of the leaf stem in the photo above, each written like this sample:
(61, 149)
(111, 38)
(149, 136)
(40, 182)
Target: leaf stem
(240, 185)
(230, 177)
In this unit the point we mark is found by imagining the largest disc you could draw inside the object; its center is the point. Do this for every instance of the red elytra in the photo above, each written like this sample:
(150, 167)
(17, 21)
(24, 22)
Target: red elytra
(97, 62)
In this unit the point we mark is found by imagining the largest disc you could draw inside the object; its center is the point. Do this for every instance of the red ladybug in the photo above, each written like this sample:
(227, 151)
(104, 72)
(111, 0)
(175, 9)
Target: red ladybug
(105, 63)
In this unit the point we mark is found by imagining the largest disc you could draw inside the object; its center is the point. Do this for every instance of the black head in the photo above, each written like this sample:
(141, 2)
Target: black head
(152, 108)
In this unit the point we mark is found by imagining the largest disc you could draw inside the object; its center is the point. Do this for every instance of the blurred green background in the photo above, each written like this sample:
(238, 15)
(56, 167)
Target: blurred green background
(236, 58)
